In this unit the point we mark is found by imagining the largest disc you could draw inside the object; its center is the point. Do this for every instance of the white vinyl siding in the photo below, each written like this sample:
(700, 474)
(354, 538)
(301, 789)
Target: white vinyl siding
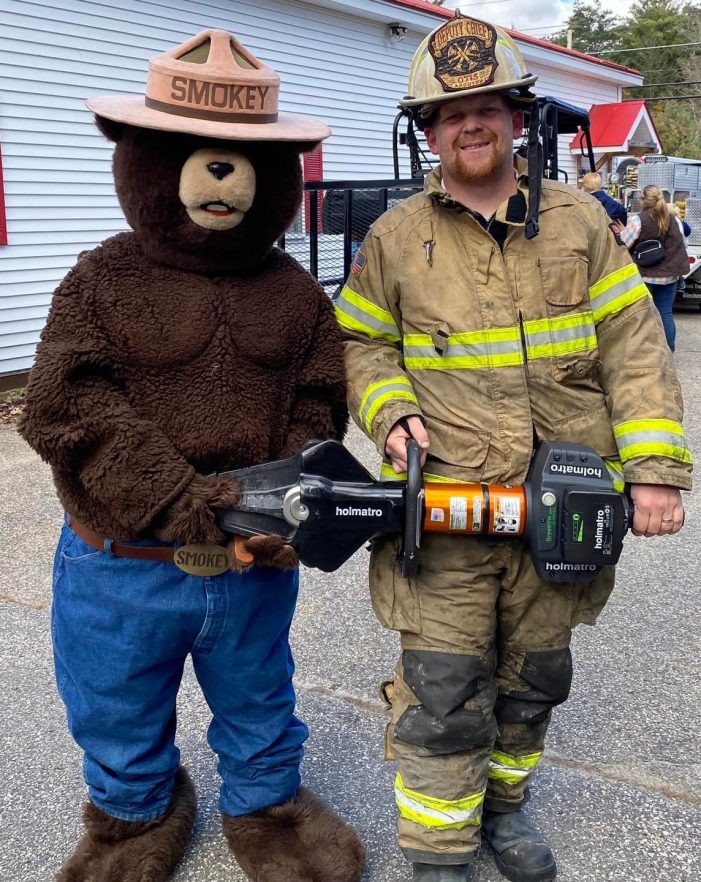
(336, 60)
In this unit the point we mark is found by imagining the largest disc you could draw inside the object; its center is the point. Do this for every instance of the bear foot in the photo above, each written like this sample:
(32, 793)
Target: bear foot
(302, 840)
(113, 850)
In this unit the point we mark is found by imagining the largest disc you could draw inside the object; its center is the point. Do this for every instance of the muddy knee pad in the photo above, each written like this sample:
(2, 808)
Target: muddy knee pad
(547, 676)
(456, 695)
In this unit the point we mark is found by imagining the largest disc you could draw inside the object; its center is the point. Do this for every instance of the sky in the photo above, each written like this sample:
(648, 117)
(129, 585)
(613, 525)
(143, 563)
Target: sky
(535, 17)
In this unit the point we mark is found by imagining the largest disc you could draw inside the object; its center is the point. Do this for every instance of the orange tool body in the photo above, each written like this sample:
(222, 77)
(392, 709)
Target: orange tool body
(474, 509)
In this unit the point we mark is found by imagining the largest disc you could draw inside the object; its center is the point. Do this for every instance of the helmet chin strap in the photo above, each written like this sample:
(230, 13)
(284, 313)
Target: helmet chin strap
(535, 172)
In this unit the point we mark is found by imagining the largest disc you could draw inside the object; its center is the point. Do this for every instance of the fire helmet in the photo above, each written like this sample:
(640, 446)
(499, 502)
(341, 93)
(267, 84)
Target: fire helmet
(465, 56)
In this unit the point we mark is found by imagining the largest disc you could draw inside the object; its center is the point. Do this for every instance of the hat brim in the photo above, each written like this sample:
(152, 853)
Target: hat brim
(516, 91)
(131, 109)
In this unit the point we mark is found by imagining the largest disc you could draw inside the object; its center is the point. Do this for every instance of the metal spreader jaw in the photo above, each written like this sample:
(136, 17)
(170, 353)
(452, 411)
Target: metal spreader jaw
(322, 501)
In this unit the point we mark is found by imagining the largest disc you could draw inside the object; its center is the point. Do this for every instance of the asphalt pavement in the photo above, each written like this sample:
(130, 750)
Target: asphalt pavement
(618, 792)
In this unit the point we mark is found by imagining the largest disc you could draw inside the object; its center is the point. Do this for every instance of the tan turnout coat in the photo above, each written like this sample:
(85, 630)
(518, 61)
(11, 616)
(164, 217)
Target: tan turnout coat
(556, 338)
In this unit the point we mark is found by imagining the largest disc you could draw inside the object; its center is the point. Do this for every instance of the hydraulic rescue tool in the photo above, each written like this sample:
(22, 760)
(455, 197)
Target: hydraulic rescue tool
(326, 505)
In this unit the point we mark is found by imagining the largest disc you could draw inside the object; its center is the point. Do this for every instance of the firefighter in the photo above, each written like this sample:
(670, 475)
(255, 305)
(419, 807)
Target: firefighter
(479, 325)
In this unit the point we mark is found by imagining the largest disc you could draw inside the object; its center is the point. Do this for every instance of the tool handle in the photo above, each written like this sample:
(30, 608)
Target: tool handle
(413, 515)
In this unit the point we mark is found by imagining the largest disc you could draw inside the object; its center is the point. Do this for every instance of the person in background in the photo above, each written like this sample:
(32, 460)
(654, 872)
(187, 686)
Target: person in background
(686, 232)
(655, 222)
(683, 225)
(591, 183)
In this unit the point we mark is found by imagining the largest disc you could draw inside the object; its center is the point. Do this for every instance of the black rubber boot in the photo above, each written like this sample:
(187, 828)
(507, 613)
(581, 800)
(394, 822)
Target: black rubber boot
(441, 872)
(521, 853)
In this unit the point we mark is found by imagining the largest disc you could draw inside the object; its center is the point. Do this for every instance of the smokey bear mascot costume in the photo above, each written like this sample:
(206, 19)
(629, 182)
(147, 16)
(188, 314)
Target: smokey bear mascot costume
(187, 347)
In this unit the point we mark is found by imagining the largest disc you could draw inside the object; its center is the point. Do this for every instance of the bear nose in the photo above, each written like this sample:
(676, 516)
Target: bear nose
(220, 170)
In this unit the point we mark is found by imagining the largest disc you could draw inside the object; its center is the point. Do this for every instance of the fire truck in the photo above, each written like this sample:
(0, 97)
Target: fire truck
(680, 181)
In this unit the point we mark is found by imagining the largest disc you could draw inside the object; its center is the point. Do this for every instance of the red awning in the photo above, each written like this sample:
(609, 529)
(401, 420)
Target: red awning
(620, 128)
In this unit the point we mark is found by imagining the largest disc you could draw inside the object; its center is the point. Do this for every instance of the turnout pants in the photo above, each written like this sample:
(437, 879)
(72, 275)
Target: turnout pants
(485, 658)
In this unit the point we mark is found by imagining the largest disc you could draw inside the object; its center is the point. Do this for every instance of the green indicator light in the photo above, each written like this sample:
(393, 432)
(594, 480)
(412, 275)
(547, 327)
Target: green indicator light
(577, 528)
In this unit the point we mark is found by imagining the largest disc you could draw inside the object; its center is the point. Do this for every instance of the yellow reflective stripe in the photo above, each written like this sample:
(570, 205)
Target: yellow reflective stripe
(615, 470)
(437, 814)
(467, 350)
(550, 337)
(387, 473)
(357, 313)
(651, 438)
(512, 769)
(616, 291)
(378, 394)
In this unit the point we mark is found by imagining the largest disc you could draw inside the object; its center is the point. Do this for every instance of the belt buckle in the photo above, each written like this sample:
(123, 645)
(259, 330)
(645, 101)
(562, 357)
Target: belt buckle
(202, 559)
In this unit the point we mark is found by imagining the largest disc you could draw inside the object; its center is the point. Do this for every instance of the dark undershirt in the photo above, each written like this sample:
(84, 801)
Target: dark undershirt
(498, 230)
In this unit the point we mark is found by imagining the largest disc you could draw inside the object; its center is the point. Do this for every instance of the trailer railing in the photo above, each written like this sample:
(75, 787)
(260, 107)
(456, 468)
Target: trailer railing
(337, 216)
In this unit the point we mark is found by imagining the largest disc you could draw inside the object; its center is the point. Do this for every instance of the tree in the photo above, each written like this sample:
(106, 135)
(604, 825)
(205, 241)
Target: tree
(678, 128)
(653, 23)
(593, 29)
(667, 23)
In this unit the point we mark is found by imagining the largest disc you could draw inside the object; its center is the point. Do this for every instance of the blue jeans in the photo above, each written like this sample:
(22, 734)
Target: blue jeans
(122, 629)
(663, 297)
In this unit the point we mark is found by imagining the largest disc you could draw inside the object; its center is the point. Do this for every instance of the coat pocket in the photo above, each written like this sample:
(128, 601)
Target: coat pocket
(564, 283)
(394, 598)
(573, 349)
(464, 449)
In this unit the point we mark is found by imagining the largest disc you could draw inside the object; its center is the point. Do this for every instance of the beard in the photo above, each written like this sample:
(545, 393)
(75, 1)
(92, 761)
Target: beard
(467, 169)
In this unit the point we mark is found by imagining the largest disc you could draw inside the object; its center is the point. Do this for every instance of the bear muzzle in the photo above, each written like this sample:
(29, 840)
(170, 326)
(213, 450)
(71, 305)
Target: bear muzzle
(217, 187)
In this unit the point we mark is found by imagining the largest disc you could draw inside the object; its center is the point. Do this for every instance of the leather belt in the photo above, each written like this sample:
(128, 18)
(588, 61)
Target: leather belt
(120, 549)
(196, 559)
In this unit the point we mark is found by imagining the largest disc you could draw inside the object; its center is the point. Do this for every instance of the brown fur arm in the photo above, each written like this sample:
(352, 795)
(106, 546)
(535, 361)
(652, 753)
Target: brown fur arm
(319, 411)
(113, 469)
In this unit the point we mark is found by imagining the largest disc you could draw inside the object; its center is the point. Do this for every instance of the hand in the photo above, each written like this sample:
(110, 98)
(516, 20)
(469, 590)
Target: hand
(658, 509)
(395, 446)
(191, 517)
(617, 226)
(266, 551)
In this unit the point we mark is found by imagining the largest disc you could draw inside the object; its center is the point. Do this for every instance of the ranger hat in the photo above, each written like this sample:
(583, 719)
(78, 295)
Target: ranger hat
(465, 56)
(211, 86)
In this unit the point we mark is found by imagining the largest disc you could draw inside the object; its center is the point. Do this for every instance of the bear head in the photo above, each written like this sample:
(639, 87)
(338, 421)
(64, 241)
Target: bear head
(202, 204)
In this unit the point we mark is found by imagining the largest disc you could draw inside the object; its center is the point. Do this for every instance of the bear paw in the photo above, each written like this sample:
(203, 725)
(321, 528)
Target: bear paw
(302, 840)
(266, 551)
(113, 850)
(191, 517)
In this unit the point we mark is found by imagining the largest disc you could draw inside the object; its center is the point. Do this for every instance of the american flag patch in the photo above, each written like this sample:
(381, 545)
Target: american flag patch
(359, 262)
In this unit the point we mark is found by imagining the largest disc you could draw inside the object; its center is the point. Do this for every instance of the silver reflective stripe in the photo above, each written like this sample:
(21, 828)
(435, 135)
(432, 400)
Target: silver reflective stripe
(364, 318)
(625, 286)
(560, 335)
(466, 350)
(629, 439)
(507, 770)
(379, 393)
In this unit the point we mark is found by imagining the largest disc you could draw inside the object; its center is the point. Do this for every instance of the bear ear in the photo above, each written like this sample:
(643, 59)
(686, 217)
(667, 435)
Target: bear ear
(112, 130)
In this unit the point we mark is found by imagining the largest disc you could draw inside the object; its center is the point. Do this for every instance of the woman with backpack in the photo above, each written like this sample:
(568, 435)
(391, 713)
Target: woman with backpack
(655, 241)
